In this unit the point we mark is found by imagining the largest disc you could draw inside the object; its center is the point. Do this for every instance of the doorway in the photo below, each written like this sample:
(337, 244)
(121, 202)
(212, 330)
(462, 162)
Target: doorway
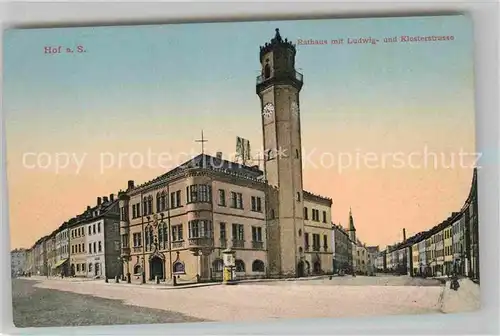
(156, 268)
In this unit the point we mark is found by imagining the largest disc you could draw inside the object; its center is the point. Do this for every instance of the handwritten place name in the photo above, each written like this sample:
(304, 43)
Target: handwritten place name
(55, 50)
(375, 41)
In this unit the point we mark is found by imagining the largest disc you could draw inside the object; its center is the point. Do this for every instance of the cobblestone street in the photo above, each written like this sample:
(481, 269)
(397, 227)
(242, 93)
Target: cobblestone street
(71, 302)
(38, 307)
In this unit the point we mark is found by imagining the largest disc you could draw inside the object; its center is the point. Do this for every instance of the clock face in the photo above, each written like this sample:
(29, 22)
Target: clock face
(295, 108)
(268, 110)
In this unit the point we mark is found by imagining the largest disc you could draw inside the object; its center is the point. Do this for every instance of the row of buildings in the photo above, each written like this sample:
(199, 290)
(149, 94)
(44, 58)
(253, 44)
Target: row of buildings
(450, 247)
(86, 245)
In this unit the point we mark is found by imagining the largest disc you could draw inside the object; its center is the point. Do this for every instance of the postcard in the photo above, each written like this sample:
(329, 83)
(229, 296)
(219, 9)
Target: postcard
(269, 169)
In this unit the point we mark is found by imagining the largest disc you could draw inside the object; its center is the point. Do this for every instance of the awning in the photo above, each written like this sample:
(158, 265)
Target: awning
(59, 263)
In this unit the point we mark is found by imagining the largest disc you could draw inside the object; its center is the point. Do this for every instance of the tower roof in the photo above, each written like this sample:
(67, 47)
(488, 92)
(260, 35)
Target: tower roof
(351, 221)
(276, 42)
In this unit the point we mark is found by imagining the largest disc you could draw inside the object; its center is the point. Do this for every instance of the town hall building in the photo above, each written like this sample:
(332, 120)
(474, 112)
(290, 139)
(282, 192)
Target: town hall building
(178, 224)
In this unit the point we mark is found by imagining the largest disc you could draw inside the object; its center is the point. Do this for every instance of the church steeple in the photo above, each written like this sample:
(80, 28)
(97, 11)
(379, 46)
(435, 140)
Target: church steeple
(352, 229)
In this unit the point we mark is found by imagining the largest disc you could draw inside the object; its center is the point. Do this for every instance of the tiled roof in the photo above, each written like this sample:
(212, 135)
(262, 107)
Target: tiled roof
(213, 163)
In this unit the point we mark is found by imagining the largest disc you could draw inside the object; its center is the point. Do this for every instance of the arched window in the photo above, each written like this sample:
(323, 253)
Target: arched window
(150, 204)
(267, 70)
(240, 265)
(163, 201)
(137, 269)
(218, 265)
(158, 202)
(258, 266)
(145, 206)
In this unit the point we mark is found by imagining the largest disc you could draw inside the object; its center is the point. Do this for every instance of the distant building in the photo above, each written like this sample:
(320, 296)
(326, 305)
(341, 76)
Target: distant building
(342, 249)
(373, 252)
(18, 262)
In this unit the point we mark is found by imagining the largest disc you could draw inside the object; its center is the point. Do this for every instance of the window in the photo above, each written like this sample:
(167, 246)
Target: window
(267, 71)
(83, 267)
(177, 233)
(137, 239)
(315, 215)
(200, 229)
(222, 197)
(222, 231)
(236, 200)
(218, 265)
(316, 242)
(325, 242)
(134, 213)
(256, 234)
(178, 198)
(90, 248)
(158, 202)
(306, 213)
(98, 227)
(125, 240)
(256, 204)
(93, 229)
(79, 248)
(100, 247)
(240, 265)
(193, 193)
(90, 230)
(258, 266)
(123, 214)
(95, 247)
(173, 203)
(90, 267)
(138, 209)
(306, 240)
(238, 232)
(163, 201)
(199, 193)
(78, 267)
(324, 216)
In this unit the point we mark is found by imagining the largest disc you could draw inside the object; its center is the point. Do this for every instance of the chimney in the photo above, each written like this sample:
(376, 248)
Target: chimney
(88, 207)
(111, 197)
(98, 201)
(105, 199)
(404, 234)
(130, 184)
(219, 155)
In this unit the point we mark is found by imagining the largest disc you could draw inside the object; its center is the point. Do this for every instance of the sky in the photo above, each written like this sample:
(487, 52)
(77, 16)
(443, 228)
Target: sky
(383, 125)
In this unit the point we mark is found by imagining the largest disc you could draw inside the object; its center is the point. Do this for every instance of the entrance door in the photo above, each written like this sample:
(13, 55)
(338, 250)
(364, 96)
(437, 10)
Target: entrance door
(317, 267)
(156, 268)
(300, 269)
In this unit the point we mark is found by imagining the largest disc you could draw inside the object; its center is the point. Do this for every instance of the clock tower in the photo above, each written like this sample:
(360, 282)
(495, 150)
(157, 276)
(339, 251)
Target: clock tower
(278, 87)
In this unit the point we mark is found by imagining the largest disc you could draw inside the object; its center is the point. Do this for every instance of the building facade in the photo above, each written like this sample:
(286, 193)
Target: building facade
(18, 262)
(178, 224)
(95, 241)
(62, 251)
(373, 253)
(342, 249)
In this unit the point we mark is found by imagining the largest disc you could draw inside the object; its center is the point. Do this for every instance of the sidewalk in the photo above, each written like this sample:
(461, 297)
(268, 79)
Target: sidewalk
(466, 299)
(163, 285)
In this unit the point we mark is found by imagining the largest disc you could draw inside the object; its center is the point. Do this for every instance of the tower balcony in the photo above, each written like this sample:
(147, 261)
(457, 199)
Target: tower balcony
(293, 75)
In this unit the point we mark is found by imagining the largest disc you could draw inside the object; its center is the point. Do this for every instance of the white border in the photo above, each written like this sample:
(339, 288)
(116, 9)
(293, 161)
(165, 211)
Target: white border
(485, 16)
